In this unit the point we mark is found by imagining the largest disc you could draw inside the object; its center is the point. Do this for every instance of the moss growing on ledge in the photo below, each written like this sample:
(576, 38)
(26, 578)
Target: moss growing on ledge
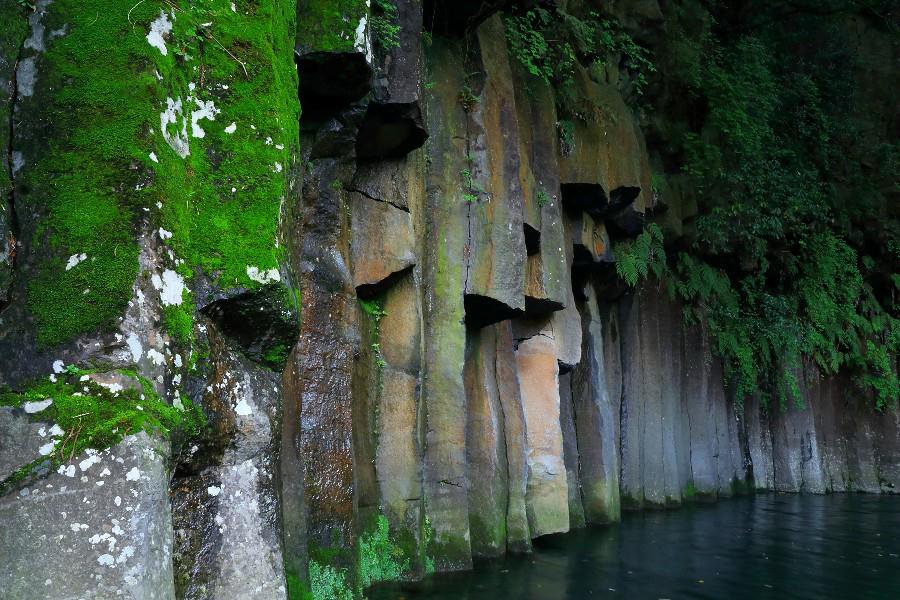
(332, 25)
(328, 583)
(91, 415)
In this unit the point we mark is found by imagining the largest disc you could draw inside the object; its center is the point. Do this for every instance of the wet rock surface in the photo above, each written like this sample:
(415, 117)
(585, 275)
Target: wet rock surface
(440, 362)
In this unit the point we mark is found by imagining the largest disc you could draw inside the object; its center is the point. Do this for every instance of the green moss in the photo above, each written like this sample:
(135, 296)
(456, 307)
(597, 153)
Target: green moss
(328, 583)
(276, 355)
(689, 491)
(92, 416)
(427, 536)
(297, 588)
(94, 89)
(103, 101)
(380, 557)
(179, 322)
(223, 200)
(329, 25)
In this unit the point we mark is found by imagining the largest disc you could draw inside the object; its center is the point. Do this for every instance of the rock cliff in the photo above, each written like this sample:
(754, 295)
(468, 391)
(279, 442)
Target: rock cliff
(249, 353)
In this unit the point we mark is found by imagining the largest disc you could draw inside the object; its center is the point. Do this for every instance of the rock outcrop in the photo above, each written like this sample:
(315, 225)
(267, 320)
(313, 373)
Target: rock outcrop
(366, 343)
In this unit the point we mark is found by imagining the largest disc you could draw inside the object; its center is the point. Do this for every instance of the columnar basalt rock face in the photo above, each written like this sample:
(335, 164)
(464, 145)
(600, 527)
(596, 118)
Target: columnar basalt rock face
(407, 340)
(486, 460)
(494, 279)
(225, 508)
(324, 362)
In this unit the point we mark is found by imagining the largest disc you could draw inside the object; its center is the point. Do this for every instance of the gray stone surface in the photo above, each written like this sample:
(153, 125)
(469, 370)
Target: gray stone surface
(99, 527)
(227, 531)
(382, 242)
(570, 451)
(597, 420)
(547, 495)
(486, 461)
(21, 440)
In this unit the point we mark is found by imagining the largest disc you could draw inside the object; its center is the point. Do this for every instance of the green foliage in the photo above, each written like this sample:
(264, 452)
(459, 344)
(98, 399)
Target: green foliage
(384, 24)
(543, 198)
(380, 559)
(550, 43)
(471, 190)
(636, 259)
(93, 416)
(781, 270)
(467, 98)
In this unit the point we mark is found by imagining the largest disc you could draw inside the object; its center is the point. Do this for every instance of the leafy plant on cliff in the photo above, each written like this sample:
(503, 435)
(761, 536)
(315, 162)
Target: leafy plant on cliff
(637, 258)
(384, 24)
(551, 43)
(789, 262)
(380, 559)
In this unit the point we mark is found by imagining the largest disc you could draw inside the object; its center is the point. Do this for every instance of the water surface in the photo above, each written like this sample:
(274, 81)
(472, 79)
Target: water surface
(843, 546)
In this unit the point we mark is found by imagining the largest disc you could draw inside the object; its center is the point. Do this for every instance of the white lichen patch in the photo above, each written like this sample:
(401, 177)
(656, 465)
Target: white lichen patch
(205, 110)
(153, 157)
(37, 406)
(47, 448)
(75, 260)
(134, 345)
(91, 460)
(106, 560)
(133, 475)
(178, 138)
(171, 287)
(114, 388)
(156, 357)
(213, 490)
(164, 235)
(231, 128)
(362, 42)
(159, 28)
(265, 276)
(242, 408)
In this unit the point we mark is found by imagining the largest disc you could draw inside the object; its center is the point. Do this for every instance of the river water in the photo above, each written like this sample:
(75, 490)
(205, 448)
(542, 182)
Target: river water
(842, 546)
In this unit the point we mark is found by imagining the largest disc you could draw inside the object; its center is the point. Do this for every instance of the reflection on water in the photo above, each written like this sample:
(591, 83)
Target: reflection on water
(764, 546)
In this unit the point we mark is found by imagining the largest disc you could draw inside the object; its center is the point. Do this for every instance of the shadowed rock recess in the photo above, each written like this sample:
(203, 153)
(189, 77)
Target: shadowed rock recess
(251, 353)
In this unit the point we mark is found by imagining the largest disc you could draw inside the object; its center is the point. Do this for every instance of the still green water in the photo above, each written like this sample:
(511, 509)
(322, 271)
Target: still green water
(842, 546)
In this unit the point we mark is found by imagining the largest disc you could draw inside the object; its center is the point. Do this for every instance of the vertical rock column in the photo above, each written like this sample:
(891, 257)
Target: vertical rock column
(547, 495)
(495, 246)
(323, 366)
(485, 446)
(518, 532)
(596, 420)
(446, 227)
(12, 36)
(386, 390)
